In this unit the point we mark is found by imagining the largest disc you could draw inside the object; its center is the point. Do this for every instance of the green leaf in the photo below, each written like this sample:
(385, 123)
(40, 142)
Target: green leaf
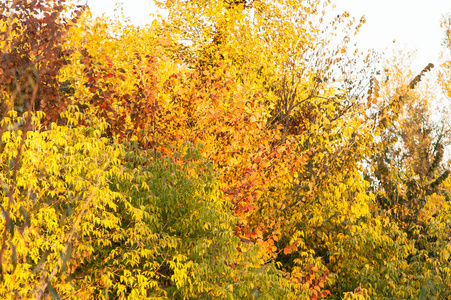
(69, 210)
(423, 293)
(13, 255)
(41, 262)
(26, 217)
(65, 257)
(53, 292)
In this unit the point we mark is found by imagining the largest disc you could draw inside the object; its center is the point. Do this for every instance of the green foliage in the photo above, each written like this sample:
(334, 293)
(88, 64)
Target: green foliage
(195, 253)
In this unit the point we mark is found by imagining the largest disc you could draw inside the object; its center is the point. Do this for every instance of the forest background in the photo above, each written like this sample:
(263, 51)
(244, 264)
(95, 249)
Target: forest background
(233, 149)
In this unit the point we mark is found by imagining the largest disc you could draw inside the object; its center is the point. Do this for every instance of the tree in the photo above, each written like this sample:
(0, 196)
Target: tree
(409, 181)
(409, 165)
(96, 216)
(31, 56)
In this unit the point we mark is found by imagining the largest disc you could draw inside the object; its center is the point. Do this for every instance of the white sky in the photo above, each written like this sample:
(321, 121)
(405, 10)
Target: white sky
(414, 24)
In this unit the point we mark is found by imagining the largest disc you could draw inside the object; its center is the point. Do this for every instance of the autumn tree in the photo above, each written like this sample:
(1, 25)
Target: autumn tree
(32, 54)
(410, 166)
(91, 214)
(409, 181)
(273, 158)
(31, 57)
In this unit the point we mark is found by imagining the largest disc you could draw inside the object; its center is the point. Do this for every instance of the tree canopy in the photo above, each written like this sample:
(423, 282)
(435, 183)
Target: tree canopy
(232, 150)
